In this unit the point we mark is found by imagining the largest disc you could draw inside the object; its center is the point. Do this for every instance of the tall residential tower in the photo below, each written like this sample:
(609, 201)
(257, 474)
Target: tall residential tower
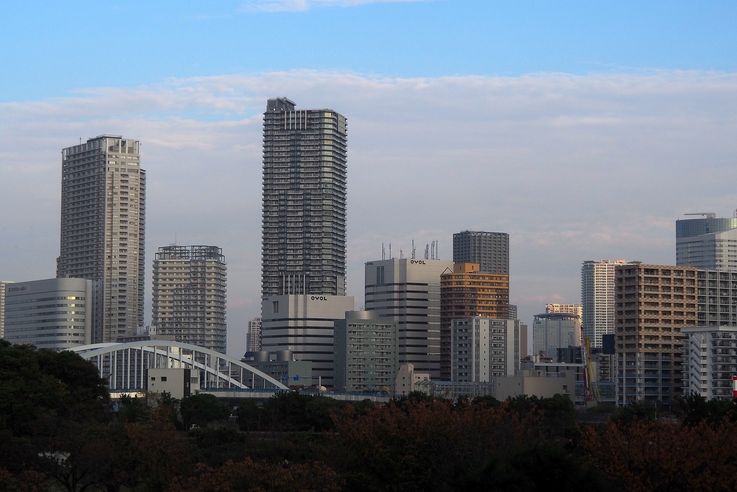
(489, 249)
(103, 207)
(597, 299)
(304, 201)
(189, 295)
(303, 235)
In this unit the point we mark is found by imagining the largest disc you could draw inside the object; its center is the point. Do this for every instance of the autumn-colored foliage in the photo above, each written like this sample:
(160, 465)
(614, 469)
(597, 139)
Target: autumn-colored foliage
(663, 455)
(58, 432)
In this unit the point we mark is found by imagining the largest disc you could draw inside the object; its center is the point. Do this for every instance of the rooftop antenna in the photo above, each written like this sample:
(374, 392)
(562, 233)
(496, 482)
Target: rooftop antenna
(427, 251)
(432, 250)
(437, 249)
(383, 252)
(413, 249)
(401, 254)
(390, 252)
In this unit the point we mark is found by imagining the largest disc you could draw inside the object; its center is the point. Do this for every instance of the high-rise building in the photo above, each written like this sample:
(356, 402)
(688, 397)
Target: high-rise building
(717, 298)
(483, 349)
(55, 313)
(103, 206)
(709, 361)
(2, 307)
(576, 309)
(512, 311)
(407, 291)
(365, 352)
(305, 325)
(597, 299)
(709, 242)
(553, 331)
(253, 337)
(304, 201)
(489, 249)
(653, 303)
(189, 292)
(466, 292)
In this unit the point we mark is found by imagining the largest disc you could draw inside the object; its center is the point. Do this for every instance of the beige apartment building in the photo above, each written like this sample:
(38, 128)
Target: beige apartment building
(103, 210)
(653, 303)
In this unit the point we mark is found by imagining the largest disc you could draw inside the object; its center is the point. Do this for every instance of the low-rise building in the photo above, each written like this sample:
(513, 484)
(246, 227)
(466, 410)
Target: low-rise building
(408, 380)
(55, 313)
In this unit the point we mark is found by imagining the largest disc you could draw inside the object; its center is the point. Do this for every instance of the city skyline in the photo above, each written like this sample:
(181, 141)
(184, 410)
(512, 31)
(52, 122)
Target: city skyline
(616, 132)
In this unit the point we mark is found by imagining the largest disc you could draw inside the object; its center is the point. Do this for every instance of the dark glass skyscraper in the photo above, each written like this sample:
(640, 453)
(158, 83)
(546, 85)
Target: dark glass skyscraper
(304, 201)
(488, 249)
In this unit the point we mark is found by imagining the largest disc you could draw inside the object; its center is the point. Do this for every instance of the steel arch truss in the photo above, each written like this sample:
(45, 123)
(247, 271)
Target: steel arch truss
(125, 365)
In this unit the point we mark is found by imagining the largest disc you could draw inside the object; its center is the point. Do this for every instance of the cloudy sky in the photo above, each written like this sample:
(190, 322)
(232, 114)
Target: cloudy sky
(582, 130)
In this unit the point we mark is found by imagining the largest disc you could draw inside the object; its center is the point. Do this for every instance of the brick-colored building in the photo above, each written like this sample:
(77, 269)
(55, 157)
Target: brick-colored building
(466, 292)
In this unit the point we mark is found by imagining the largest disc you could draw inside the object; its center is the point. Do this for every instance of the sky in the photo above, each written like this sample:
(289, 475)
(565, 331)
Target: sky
(583, 129)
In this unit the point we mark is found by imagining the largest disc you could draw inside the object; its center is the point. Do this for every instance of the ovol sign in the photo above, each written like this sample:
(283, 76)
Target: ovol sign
(417, 262)
(318, 298)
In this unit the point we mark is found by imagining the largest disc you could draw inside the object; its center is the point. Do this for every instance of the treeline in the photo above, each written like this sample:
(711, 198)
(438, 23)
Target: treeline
(59, 431)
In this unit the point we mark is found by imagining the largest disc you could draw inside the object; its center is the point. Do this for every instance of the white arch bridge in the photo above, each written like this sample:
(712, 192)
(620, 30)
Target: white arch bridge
(125, 365)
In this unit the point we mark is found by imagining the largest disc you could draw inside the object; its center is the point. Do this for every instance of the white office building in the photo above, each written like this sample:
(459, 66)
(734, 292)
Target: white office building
(407, 291)
(709, 242)
(304, 324)
(55, 313)
(597, 299)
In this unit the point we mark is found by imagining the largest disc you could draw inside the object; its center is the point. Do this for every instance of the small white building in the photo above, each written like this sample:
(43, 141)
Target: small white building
(407, 379)
(178, 382)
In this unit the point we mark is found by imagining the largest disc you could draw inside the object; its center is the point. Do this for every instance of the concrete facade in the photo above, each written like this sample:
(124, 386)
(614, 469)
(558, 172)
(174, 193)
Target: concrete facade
(253, 336)
(103, 219)
(709, 361)
(489, 249)
(576, 309)
(178, 382)
(55, 314)
(483, 349)
(407, 291)
(3, 284)
(365, 352)
(553, 331)
(597, 299)
(408, 379)
(305, 324)
(653, 304)
(189, 295)
(466, 292)
(717, 298)
(304, 201)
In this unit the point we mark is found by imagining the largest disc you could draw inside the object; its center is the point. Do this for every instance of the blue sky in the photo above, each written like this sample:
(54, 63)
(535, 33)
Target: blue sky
(51, 49)
(583, 129)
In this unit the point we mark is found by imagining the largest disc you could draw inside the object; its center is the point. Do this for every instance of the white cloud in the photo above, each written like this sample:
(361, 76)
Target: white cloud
(573, 167)
(304, 5)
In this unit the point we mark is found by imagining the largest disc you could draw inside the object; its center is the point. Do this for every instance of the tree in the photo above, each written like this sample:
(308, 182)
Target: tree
(201, 409)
